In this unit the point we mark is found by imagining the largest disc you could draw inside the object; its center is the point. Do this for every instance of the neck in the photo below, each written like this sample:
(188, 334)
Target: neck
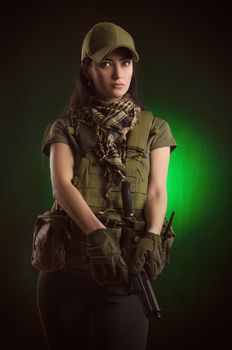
(107, 101)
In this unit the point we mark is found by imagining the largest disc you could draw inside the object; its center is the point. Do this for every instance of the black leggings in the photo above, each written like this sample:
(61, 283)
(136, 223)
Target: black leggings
(78, 314)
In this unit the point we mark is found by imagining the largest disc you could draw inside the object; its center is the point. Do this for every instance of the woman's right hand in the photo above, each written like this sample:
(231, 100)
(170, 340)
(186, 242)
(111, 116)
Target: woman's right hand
(106, 263)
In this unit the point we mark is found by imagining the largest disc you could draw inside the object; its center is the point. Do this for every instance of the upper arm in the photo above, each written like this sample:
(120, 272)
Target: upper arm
(61, 164)
(159, 163)
(161, 135)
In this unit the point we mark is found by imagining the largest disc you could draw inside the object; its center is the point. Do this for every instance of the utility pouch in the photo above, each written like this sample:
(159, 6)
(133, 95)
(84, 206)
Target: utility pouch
(113, 222)
(49, 240)
(167, 237)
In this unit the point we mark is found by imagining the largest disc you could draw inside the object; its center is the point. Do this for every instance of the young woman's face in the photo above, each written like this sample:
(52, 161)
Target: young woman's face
(112, 76)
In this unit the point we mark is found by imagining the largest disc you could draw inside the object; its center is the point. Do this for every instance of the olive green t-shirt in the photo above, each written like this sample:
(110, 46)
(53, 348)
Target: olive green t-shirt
(160, 134)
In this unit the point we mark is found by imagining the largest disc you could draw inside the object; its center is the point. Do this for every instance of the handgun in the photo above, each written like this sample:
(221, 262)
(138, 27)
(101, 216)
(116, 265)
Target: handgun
(140, 283)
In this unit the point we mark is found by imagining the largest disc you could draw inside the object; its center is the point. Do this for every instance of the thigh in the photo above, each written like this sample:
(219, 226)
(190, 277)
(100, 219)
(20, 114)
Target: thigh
(64, 310)
(120, 323)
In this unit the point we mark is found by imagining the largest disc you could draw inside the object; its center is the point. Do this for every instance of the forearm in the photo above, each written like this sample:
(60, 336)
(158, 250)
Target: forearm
(155, 210)
(70, 199)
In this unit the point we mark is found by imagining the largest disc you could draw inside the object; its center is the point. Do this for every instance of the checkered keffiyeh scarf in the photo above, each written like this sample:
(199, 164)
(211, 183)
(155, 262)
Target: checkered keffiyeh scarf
(112, 120)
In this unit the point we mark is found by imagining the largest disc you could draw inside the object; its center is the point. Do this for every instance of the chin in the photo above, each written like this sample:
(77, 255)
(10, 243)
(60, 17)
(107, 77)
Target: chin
(117, 95)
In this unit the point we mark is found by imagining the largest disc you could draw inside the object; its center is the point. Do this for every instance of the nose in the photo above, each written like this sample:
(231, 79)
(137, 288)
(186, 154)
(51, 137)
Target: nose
(117, 72)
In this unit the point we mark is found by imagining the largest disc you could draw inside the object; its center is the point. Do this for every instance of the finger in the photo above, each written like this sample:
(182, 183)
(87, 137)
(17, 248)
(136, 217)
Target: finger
(149, 268)
(137, 265)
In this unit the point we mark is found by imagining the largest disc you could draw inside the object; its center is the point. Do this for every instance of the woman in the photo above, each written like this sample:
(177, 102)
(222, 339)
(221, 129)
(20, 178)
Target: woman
(104, 140)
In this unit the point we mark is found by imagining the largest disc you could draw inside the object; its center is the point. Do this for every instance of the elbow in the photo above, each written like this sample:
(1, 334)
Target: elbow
(157, 192)
(58, 190)
(157, 197)
(55, 192)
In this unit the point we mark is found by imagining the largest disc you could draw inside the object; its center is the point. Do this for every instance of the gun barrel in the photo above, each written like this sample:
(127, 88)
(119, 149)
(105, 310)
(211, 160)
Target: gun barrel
(149, 302)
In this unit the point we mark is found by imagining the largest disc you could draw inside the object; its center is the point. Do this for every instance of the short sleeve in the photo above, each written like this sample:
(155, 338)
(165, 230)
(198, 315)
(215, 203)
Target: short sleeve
(161, 135)
(54, 132)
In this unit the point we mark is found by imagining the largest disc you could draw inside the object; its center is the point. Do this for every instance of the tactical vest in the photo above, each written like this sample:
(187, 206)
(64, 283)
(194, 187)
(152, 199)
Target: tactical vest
(89, 180)
(89, 173)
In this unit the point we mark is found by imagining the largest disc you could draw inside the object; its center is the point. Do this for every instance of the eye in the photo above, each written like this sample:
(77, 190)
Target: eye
(127, 62)
(104, 64)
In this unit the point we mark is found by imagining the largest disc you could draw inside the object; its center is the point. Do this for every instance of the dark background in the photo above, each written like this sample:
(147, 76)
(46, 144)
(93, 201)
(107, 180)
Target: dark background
(185, 75)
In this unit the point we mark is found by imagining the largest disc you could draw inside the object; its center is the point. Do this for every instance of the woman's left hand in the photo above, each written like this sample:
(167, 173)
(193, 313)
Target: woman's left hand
(148, 256)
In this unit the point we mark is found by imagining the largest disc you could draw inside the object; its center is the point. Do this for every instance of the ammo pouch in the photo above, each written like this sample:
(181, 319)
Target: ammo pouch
(58, 244)
(49, 240)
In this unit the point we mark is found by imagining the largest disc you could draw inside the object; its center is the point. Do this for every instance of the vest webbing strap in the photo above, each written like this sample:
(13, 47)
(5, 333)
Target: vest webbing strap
(138, 136)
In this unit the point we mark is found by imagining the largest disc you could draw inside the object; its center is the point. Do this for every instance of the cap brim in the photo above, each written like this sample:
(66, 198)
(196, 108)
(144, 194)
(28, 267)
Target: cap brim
(100, 54)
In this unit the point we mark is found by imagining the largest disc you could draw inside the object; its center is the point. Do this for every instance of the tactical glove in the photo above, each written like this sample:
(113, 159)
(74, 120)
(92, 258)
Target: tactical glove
(105, 261)
(148, 256)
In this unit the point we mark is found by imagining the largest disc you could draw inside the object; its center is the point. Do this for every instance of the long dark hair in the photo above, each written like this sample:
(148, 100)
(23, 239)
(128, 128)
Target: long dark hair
(83, 89)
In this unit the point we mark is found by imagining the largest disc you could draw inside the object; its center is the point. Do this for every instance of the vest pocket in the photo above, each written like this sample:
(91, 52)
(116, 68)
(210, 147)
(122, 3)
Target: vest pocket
(90, 173)
(91, 183)
(137, 175)
(49, 240)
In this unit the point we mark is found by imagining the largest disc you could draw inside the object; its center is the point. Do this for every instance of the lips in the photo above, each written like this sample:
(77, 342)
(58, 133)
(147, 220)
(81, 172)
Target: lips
(118, 85)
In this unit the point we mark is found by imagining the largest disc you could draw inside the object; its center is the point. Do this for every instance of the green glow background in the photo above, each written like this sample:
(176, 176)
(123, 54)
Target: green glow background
(185, 78)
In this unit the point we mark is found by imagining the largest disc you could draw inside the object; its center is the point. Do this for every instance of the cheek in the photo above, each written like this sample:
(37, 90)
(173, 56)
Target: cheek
(129, 75)
(103, 78)
(102, 85)
(99, 78)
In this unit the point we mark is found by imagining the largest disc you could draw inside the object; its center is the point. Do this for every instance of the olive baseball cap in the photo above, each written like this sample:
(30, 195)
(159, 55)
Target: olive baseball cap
(104, 38)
